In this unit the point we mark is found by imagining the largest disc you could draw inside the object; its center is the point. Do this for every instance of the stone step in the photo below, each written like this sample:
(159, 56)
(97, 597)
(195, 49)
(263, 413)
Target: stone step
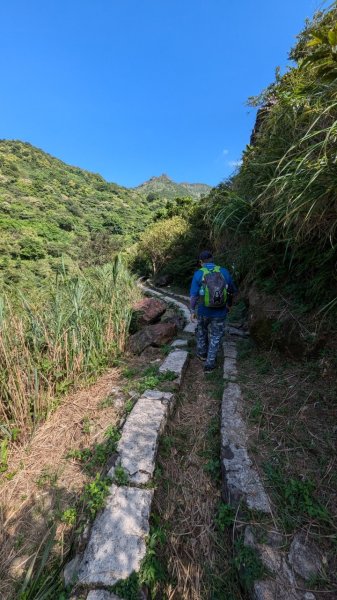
(175, 362)
(241, 478)
(138, 445)
(117, 543)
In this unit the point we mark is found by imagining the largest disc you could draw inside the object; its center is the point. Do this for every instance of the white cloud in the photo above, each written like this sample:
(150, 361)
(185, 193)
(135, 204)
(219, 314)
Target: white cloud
(225, 152)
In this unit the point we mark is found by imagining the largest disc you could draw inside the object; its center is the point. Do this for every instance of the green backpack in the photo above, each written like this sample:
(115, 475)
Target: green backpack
(214, 288)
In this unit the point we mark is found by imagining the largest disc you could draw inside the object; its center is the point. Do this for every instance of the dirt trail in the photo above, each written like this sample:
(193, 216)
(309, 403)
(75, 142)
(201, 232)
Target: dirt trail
(196, 554)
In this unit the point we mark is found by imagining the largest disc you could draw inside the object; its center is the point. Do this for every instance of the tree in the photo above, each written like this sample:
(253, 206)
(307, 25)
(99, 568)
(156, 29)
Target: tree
(159, 242)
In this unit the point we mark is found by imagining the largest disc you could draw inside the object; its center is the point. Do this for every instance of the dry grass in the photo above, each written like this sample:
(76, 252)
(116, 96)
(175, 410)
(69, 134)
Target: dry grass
(187, 499)
(44, 483)
(291, 412)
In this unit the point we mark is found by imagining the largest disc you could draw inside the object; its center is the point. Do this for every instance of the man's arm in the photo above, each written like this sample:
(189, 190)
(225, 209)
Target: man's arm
(194, 291)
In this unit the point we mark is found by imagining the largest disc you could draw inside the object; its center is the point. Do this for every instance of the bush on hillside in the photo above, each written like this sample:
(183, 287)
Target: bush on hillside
(161, 242)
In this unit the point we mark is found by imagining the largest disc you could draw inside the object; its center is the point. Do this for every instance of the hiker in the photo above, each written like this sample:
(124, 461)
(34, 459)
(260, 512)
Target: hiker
(212, 290)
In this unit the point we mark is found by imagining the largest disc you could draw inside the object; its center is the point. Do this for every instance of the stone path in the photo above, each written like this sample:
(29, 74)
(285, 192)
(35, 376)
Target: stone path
(244, 488)
(117, 541)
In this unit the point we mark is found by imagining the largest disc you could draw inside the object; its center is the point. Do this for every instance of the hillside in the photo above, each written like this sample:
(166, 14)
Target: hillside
(163, 187)
(49, 209)
(54, 214)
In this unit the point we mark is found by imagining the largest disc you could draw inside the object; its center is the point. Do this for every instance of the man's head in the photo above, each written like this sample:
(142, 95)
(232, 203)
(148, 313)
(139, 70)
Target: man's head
(206, 256)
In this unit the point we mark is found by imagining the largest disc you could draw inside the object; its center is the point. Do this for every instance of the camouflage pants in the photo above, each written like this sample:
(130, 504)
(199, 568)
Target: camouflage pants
(209, 333)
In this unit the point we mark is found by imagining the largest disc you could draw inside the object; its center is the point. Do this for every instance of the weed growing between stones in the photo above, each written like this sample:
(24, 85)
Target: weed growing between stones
(120, 476)
(248, 564)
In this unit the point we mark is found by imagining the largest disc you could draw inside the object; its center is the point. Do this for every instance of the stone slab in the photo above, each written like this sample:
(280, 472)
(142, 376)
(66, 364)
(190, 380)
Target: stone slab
(229, 369)
(175, 362)
(102, 595)
(272, 590)
(117, 543)
(230, 350)
(190, 327)
(179, 343)
(237, 332)
(305, 558)
(138, 445)
(242, 479)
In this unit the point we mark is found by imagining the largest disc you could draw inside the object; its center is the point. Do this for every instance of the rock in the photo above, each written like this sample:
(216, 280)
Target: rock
(138, 445)
(117, 543)
(309, 596)
(148, 310)
(304, 558)
(152, 335)
(272, 590)
(179, 343)
(177, 320)
(102, 595)
(175, 362)
(229, 369)
(163, 280)
(241, 479)
(70, 571)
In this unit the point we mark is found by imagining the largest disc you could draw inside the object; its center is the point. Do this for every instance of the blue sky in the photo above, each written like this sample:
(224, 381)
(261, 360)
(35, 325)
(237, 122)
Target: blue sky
(135, 88)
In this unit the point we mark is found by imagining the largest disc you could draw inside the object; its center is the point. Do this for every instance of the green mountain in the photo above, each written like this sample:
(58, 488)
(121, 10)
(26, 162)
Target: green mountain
(53, 215)
(51, 212)
(163, 187)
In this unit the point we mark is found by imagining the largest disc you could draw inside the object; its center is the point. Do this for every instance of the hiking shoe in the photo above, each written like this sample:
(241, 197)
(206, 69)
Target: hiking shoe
(208, 369)
(201, 357)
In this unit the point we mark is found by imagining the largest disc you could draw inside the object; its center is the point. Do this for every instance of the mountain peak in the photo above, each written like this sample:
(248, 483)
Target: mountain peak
(163, 178)
(164, 187)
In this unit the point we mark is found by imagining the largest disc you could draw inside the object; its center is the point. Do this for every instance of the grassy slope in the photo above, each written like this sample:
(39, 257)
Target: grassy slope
(49, 209)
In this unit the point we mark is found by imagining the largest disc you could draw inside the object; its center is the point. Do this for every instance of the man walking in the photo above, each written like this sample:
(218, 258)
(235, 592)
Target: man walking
(211, 295)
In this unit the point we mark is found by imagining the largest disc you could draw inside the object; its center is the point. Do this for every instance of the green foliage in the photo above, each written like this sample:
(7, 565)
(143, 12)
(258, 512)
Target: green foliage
(248, 564)
(75, 329)
(69, 516)
(275, 220)
(97, 456)
(129, 589)
(120, 476)
(296, 499)
(95, 493)
(49, 209)
(225, 517)
(163, 187)
(43, 581)
(161, 241)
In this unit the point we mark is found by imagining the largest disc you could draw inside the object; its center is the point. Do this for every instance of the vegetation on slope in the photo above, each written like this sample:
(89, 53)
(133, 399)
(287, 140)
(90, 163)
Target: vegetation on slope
(275, 220)
(163, 187)
(71, 334)
(49, 209)
(283, 199)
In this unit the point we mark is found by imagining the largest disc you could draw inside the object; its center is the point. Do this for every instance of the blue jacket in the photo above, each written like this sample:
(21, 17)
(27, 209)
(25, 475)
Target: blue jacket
(204, 311)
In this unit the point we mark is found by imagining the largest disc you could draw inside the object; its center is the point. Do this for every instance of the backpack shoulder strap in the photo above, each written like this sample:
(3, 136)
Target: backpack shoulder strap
(205, 271)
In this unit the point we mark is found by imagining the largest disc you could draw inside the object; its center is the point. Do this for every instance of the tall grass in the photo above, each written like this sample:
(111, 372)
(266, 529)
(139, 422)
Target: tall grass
(281, 205)
(72, 335)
